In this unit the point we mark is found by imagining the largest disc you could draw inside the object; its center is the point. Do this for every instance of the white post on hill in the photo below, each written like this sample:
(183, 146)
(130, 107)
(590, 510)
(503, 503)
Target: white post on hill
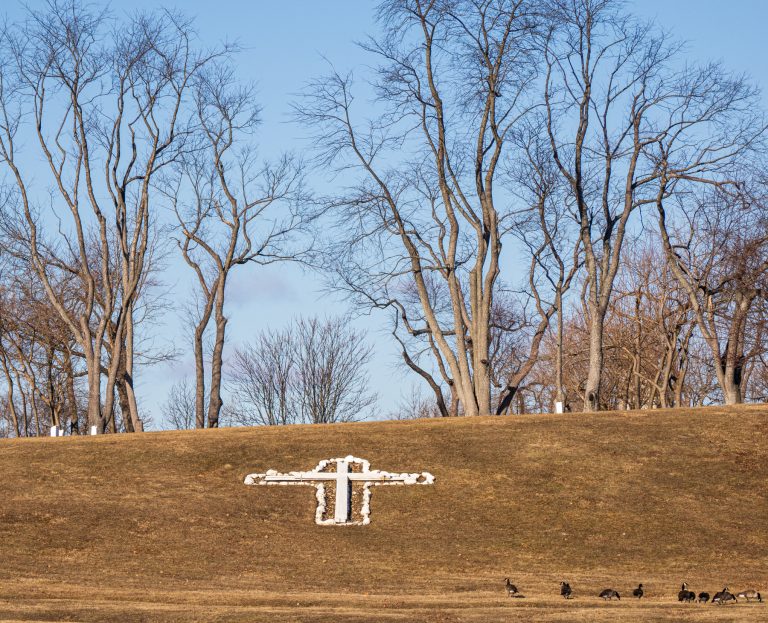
(93, 430)
(341, 478)
(558, 407)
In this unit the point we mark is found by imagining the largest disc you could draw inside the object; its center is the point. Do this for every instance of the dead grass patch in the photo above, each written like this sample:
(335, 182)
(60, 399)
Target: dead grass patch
(159, 527)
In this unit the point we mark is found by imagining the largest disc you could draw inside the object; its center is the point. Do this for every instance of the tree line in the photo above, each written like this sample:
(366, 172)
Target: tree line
(546, 202)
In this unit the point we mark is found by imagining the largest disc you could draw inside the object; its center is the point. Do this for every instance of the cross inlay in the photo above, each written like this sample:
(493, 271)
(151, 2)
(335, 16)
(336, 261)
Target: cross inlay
(342, 479)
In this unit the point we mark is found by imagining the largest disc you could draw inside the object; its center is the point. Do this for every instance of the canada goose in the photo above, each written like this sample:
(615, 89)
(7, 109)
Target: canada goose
(511, 588)
(723, 597)
(703, 598)
(565, 590)
(749, 595)
(638, 592)
(685, 594)
(609, 593)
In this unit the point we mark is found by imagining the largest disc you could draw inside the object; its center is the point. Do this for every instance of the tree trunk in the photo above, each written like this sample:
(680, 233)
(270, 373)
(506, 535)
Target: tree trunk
(214, 401)
(69, 384)
(9, 395)
(199, 377)
(520, 404)
(35, 410)
(664, 377)
(454, 400)
(24, 410)
(95, 415)
(730, 376)
(732, 393)
(637, 359)
(112, 374)
(594, 376)
(199, 355)
(560, 390)
(122, 398)
(482, 381)
(480, 361)
(127, 374)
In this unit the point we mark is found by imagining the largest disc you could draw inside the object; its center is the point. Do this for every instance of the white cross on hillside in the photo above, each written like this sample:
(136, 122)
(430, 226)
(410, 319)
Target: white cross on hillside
(342, 477)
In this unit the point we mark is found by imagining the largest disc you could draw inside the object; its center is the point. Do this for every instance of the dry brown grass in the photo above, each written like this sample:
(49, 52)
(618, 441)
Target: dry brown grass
(159, 527)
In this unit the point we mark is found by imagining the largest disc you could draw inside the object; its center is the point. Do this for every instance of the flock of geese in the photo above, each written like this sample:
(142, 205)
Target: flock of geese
(721, 597)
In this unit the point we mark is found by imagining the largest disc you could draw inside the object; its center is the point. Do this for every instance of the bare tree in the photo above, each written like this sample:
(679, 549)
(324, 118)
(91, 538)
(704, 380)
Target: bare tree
(36, 355)
(232, 211)
(659, 324)
(621, 119)
(546, 230)
(263, 379)
(719, 254)
(648, 330)
(179, 408)
(422, 219)
(413, 406)
(330, 361)
(104, 110)
(312, 372)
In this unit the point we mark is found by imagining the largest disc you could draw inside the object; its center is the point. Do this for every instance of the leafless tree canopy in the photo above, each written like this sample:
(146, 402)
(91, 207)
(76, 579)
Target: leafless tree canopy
(179, 408)
(542, 201)
(717, 248)
(312, 372)
(553, 123)
(426, 217)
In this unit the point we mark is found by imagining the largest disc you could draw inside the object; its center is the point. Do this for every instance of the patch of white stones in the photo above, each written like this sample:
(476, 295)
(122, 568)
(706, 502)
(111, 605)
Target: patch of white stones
(342, 478)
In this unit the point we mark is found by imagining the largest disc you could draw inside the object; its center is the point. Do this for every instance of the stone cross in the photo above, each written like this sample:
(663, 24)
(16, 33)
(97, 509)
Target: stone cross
(342, 479)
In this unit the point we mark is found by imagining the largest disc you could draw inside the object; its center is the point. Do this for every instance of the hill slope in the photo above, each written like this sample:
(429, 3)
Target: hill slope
(159, 527)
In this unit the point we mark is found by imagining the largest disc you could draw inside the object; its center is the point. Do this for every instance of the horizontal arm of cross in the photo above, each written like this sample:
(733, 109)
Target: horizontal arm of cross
(388, 477)
(376, 476)
(297, 477)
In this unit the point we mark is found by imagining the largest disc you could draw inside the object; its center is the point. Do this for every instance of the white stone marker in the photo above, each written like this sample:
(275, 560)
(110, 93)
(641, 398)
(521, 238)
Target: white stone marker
(54, 431)
(93, 430)
(342, 478)
(558, 407)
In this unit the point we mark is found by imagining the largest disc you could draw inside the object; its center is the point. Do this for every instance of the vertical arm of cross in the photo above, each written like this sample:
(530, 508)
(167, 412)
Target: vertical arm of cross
(341, 514)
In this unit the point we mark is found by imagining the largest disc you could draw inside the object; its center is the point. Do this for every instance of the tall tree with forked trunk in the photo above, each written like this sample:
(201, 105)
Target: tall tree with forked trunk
(424, 214)
(232, 211)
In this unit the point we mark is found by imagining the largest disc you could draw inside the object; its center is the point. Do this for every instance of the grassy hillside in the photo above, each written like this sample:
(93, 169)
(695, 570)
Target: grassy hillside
(159, 527)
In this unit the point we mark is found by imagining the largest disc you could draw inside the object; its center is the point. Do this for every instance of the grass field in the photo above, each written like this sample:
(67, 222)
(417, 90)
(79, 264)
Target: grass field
(159, 527)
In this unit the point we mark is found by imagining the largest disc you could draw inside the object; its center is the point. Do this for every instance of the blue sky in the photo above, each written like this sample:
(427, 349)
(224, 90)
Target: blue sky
(283, 47)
